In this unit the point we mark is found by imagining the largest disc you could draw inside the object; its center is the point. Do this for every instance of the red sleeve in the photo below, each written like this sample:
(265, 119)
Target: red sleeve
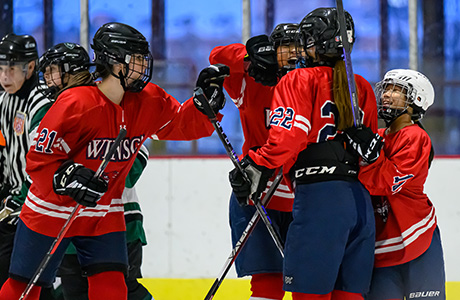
(402, 165)
(290, 122)
(182, 122)
(233, 57)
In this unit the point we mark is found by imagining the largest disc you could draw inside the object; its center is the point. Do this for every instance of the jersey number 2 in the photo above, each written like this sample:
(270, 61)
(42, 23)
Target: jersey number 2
(328, 110)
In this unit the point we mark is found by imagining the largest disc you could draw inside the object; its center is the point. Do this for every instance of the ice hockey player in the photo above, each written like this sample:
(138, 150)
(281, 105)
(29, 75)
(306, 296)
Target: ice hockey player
(329, 248)
(72, 139)
(253, 74)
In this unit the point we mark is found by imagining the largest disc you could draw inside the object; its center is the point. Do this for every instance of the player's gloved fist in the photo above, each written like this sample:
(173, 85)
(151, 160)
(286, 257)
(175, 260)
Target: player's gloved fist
(263, 65)
(211, 81)
(7, 207)
(365, 142)
(258, 177)
(78, 182)
(241, 186)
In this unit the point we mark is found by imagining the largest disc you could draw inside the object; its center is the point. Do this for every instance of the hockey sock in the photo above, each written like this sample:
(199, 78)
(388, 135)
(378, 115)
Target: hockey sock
(341, 295)
(303, 296)
(13, 289)
(267, 286)
(107, 285)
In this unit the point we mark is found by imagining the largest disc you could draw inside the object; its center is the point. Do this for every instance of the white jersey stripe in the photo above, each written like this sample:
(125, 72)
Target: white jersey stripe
(302, 123)
(43, 207)
(46, 212)
(284, 195)
(408, 232)
(407, 237)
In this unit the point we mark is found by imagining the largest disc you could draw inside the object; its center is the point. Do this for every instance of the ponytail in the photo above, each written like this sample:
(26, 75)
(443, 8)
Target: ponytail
(342, 96)
(81, 78)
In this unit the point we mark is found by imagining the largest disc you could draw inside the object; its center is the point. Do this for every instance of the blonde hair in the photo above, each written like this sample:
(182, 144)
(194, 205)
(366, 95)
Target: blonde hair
(81, 78)
(342, 96)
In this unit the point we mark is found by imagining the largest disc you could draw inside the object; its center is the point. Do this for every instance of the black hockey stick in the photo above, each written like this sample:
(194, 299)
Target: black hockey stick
(244, 237)
(198, 93)
(70, 220)
(348, 65)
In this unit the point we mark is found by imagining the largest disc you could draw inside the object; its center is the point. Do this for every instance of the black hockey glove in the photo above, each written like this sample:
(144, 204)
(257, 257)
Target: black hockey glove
(263, 65)
(211, 81)
(240, 186)
(365, 142)
(258, 176)
(78, 182)
(7, 207)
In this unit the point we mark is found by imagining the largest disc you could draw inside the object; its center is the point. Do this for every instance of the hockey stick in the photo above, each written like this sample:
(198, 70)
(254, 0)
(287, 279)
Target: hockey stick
(70, 220)
(231, 153)
(348, 65)
(244, 237)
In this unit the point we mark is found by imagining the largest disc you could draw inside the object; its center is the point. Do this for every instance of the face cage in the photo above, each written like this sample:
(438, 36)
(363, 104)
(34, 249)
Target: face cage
(50, 91)
(385, 111)
(303, 59)
(139, 79)
(287, 57)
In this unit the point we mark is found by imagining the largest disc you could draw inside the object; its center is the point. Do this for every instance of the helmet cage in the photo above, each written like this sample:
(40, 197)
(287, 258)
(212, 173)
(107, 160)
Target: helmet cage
(388, 111)
(117, 43)
(417, 89)
(133, 80)
(69, 57)
(284, 35)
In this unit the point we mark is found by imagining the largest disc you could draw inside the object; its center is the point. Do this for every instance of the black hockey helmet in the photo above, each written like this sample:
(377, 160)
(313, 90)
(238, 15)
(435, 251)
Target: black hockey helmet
(116, 43)
(284, 33)
(321, 28)
(18, 48)
(69, 57)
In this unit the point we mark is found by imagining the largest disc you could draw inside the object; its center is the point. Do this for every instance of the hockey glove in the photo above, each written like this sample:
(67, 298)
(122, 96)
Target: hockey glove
(263, 65)
(258, 176)
(365, 142)
(78, 182)
(240, 186)
(211, 81)
(7, 207)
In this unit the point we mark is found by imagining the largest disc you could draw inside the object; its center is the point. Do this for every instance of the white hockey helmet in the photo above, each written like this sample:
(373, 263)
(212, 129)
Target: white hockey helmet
(415, 86)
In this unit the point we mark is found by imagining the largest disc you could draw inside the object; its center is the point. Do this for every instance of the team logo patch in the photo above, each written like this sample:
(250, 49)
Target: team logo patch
(19, 122)
(399, 181)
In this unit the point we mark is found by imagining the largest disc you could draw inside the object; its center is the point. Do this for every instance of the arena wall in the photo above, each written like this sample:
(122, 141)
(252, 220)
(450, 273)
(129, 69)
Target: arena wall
(185, 205)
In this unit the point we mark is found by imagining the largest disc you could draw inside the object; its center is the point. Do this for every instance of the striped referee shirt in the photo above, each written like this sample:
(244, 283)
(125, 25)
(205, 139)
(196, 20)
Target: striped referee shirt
(16, 113)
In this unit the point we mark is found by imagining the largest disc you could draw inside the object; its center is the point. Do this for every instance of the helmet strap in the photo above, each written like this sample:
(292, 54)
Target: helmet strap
(122, 78)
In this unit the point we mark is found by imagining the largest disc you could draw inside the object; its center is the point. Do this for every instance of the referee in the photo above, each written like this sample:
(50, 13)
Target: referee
(18, 104)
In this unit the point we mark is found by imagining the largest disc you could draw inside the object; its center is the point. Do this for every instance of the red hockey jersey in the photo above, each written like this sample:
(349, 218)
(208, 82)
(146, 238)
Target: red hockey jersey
(303, 113)
(399, 175)
(253, 101)
(81, 125)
